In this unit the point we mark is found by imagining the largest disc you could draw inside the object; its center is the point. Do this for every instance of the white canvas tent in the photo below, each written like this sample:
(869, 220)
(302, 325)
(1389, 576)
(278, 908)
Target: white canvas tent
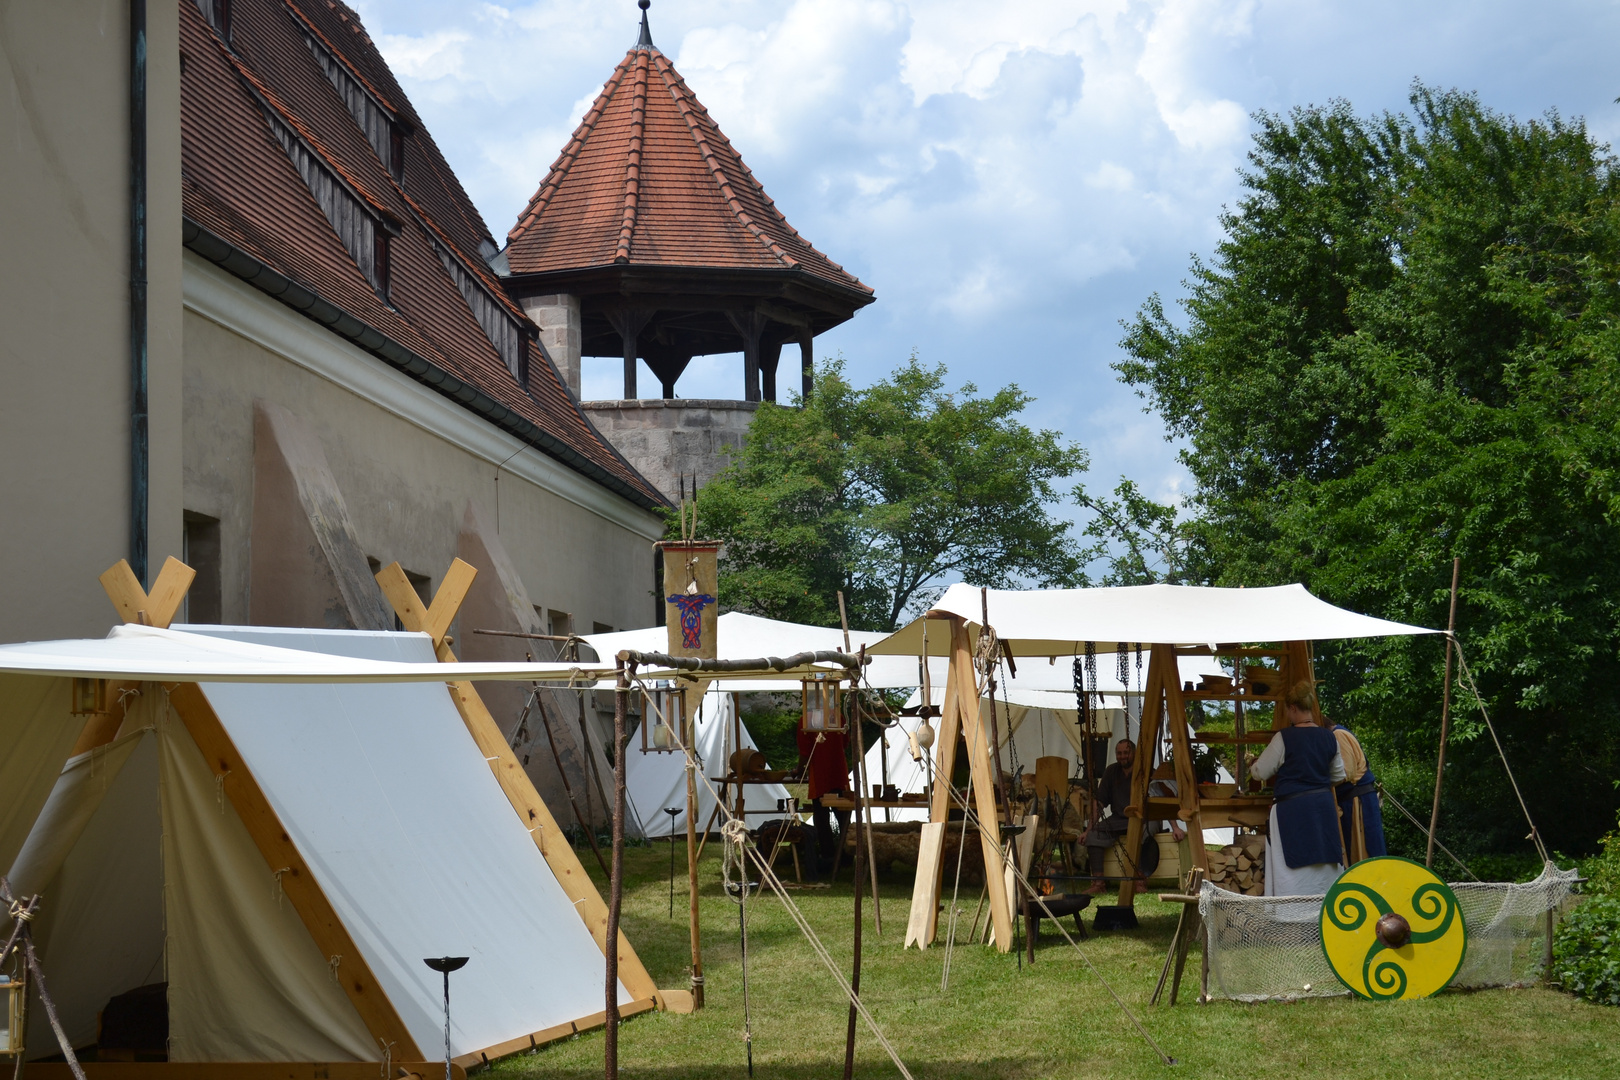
(655, 780)
(285, 824)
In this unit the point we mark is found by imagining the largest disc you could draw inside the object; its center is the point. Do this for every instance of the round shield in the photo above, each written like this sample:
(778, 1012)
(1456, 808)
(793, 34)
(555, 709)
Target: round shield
(1391, 929)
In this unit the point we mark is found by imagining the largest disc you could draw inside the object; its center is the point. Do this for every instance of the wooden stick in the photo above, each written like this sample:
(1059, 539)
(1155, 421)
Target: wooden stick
(864, 795)
(855, 975)
(610, 1050)
(1445, 713)
(693, 854)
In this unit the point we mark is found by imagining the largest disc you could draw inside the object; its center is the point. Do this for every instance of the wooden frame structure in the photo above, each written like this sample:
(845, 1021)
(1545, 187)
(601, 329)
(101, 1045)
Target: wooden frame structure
(1164, 712)
(238, 784)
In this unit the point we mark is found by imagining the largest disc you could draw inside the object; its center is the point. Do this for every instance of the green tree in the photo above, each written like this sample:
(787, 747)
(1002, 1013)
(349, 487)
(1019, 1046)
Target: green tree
(1403, 350)
(886, 493)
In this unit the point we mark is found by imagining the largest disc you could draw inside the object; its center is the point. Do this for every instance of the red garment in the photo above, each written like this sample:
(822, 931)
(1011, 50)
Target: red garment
(829, 769)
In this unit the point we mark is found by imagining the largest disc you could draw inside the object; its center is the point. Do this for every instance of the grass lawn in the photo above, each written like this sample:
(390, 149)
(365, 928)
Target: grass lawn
(1049, 1020)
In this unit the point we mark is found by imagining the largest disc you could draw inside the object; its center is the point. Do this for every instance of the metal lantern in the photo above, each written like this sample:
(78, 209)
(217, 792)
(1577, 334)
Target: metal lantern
(89, 697)
(11, 1014)
(663, 715)
(823, 704)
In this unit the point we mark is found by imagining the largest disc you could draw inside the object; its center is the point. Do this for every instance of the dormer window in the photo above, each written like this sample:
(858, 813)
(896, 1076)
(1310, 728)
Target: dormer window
(381, 264)
(218, 14)
(396, 152)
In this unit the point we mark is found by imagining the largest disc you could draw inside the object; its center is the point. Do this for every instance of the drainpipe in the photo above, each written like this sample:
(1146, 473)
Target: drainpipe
(139, 462)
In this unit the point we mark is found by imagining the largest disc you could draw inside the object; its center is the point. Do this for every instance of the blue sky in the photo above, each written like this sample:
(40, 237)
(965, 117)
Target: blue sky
(1013, 179)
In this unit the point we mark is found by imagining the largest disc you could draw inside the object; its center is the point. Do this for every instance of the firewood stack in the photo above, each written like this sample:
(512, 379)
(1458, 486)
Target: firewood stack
(1240, 867)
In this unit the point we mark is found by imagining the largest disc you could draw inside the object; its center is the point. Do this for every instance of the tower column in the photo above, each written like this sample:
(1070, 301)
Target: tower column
(769, 356)
(628, 322)
(751, 325)
(807, 361)
(558, 318)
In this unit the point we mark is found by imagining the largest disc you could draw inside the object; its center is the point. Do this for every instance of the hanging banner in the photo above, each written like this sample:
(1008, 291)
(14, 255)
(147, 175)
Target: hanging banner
(691, 591)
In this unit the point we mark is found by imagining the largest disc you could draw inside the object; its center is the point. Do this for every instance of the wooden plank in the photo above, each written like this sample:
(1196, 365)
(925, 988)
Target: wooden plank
(548, 837)
(458, 581)
(102, 728)
(1186, 775)
(411, 609)
(134, 605)
(241, 1070)
(939, 807)
(924, 894)
(169, 591)
(982, 778)
(533, 1041)
(281, 855)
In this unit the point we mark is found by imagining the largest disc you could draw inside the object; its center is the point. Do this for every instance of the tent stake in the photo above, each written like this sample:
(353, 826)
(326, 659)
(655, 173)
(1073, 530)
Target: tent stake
(1445, 713)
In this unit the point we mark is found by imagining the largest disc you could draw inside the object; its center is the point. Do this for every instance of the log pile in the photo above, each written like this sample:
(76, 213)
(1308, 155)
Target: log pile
(1240, 867)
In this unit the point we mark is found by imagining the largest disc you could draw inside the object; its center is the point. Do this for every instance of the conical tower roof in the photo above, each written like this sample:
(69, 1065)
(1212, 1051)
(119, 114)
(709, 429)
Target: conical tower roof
(649, 179)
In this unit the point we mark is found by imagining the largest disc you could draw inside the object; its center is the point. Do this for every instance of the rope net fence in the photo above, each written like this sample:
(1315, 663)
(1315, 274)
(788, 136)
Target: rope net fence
(1269, 948)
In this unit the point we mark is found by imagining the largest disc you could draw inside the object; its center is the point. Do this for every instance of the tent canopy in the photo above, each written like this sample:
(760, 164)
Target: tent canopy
(1059, 622)
(197, 654)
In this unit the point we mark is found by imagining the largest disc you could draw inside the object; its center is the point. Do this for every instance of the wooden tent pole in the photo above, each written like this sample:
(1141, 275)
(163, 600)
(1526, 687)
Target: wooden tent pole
(693, 852)
(863, 794)
(1445, 713)
(610, 1051)
(1147, 737)
(982, 778)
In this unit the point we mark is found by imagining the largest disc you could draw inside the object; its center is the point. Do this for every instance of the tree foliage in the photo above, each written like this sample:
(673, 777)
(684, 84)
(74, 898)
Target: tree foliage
(1405, 350)
(885, 493)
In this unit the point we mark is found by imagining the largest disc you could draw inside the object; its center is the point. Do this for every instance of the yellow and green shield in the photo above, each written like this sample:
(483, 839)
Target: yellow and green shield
(1391, 929)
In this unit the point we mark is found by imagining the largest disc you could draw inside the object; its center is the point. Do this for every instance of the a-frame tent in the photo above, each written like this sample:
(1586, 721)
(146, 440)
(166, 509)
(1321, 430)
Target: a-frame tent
(281, 835)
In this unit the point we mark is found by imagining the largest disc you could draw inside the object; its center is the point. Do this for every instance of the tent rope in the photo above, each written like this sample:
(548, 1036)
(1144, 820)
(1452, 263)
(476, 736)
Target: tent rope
(1424, 829)
(1535, 833)
(768, 876)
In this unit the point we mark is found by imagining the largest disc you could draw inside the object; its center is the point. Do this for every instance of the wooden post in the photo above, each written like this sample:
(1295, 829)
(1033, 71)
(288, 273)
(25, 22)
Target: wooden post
(621, 694)
(982, 777)
(863, 792)
(855, 973)
(1445, 718)
(923, 925)
(1142, 768)
(807, 366)
(694, 931)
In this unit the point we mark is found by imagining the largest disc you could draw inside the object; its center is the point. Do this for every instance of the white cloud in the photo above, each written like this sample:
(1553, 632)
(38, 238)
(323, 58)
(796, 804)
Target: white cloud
(1014, 178)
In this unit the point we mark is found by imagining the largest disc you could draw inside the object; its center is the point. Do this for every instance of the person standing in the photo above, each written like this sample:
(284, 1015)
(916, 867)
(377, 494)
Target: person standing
(1305, 849)
(1358, 796)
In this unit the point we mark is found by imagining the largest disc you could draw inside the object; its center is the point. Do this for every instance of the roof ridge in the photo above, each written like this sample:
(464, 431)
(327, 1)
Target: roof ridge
(632, 171)
(309, 24)
(576, 142)
(666, 69)
(316, 145)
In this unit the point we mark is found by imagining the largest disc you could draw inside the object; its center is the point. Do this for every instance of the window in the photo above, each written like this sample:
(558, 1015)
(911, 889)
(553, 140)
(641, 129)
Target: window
(201, 551)
(562, 623)
(396, 152)
(380, 262)
(218, 14)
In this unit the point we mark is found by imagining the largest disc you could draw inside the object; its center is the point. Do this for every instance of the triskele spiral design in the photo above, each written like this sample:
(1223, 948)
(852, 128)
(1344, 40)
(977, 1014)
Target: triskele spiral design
(1372, 889)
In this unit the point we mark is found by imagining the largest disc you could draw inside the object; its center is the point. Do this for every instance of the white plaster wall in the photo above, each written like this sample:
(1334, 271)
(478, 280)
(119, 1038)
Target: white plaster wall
(64, 303)
(406, 459)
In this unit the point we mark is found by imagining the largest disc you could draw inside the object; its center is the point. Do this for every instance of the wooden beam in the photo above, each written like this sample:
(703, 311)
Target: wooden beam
(523, 1043)
(1186, 775)
(1147, 738)
(133, 602)
(297, 881)
(925, 889)
(102, 728)
(431, 619)
(982, 777)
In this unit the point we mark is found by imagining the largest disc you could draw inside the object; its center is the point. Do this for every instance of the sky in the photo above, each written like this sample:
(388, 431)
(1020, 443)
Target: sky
(1013, 179)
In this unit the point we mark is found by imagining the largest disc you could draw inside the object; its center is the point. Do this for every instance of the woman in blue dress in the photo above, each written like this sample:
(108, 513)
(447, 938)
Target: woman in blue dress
(1305, 851)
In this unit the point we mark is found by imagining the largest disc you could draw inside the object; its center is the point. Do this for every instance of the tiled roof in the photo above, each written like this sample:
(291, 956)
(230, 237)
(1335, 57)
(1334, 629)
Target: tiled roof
(241, 186)
(648, 179)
